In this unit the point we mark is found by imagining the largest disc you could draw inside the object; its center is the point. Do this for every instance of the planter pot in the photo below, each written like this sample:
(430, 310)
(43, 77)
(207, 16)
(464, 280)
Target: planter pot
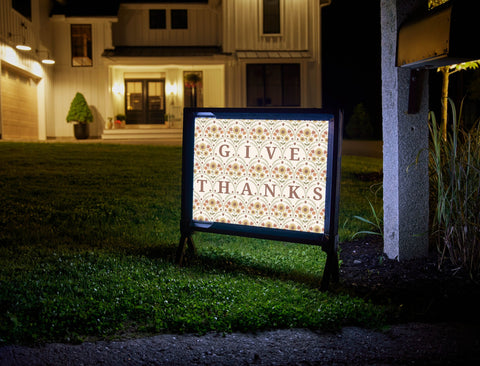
(81, 131)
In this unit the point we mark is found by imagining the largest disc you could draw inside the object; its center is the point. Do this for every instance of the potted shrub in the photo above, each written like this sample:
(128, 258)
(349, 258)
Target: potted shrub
(81, 115)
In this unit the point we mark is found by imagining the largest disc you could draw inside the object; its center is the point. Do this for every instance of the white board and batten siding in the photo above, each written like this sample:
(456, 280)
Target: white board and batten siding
(91, 81)
(241, 33)
(299, 41)
(133, 27)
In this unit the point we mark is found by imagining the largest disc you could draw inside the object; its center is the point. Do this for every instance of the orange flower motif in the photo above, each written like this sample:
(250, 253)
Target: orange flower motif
(259, 133)
(283, 133)
(306, 174)
(282, 172)
(214, 131)
(307, 135)
(236, 132)
(318, 155)
(235, 169)
(258, 171)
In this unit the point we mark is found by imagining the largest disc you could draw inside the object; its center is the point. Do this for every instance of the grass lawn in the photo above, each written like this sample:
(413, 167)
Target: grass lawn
(88, 234)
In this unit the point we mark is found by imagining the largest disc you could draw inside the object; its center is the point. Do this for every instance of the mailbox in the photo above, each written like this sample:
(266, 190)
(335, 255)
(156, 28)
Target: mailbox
(447, 35)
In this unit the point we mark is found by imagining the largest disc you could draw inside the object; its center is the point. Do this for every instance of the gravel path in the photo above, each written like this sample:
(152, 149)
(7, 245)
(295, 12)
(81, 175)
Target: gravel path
(406, 344)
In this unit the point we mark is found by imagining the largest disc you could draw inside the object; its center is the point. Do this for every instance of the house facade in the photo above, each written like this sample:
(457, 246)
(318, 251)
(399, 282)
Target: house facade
(147, 60)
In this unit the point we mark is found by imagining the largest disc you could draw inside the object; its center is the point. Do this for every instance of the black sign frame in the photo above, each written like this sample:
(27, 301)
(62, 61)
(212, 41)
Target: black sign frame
(328, 240)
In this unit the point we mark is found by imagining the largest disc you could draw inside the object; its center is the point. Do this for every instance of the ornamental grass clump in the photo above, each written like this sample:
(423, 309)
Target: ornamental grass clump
(455, 184)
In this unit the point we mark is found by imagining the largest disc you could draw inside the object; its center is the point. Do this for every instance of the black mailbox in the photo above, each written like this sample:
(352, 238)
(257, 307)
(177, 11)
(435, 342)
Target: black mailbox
(447, 35)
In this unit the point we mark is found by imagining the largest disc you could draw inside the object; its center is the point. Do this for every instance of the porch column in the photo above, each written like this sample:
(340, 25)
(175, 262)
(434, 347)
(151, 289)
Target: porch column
(405, 184)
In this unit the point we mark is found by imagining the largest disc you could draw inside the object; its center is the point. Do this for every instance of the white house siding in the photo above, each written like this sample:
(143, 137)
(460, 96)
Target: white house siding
(37, 34)
(133, 27)
(232, 24)
(91, 81)
(299, 42)
(242, 26)
(214, 87)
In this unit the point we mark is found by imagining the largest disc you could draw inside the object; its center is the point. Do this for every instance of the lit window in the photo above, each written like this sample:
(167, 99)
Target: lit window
(179, 19)
(271, 16)
(158, 19)
(81, 44)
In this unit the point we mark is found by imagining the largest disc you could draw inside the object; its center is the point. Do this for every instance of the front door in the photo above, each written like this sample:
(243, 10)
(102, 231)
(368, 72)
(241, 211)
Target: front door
(145, 101)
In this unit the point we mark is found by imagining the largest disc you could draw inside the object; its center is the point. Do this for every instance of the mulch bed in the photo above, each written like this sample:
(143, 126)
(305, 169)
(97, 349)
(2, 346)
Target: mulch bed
(418, 289)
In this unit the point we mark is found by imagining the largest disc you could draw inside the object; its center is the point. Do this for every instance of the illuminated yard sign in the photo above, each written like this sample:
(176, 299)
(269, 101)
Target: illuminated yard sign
(262, 173)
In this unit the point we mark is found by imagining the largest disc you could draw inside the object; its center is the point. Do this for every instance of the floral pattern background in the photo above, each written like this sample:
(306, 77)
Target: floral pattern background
(264, 173)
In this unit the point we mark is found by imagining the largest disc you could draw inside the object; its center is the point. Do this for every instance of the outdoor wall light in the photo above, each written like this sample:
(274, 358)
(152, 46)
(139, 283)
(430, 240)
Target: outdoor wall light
(20, 45)
(46, 60)
(118, 89)
(172, 89)
(23, 47)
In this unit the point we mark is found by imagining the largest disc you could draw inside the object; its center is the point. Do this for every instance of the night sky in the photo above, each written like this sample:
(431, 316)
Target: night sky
(351, 58)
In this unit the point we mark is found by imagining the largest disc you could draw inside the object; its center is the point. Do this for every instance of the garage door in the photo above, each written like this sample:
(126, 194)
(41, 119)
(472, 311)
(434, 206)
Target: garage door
(18, 105)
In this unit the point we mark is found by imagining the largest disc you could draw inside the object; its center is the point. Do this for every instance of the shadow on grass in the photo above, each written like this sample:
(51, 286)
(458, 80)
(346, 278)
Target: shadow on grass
(254, 269)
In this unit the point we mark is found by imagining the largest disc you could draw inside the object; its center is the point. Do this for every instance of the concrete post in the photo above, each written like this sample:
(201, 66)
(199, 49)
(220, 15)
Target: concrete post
(405, 184)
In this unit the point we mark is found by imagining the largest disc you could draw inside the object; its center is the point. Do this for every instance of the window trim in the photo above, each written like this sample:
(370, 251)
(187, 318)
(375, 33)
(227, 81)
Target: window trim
(281, 20)
(71, 44)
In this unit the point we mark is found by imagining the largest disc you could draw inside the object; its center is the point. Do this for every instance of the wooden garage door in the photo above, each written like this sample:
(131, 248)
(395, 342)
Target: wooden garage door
(19, 105)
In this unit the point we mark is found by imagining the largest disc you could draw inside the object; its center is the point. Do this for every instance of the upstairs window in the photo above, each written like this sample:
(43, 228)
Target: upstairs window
(179, 19)
(271, 17)
(81, 43)
(24, 7)
(158, 19)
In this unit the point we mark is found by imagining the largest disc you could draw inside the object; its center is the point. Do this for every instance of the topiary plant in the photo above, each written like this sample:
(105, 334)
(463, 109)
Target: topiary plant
(79, 110)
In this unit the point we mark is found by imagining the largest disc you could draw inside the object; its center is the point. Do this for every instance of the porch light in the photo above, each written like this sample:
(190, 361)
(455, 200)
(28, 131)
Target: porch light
(118, 88)
(172, 88)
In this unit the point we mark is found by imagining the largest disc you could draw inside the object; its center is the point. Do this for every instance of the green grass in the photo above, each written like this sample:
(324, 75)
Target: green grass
(87, 244)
